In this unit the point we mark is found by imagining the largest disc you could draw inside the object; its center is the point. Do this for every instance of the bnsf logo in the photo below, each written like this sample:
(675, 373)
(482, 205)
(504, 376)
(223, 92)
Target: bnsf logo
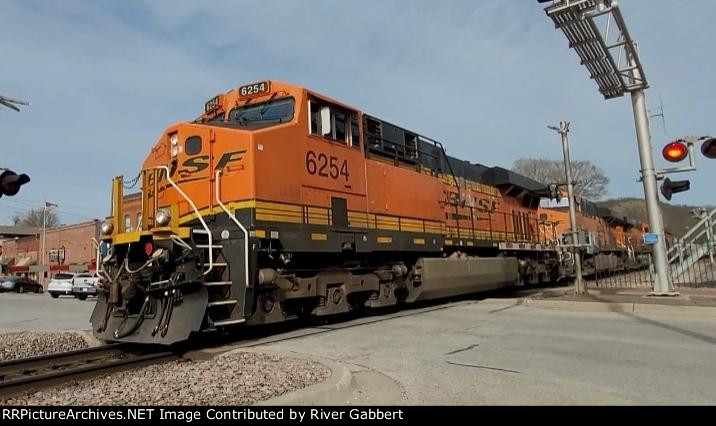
(201, 162)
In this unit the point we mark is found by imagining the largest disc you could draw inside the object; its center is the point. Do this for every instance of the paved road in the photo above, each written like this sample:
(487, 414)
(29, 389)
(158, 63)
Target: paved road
(481, 353)
(475, 352)
(21, 312)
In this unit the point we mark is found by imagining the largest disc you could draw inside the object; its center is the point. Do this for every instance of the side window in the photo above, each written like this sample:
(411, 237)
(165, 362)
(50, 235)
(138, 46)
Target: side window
(355, 133)
(315, 112)
(343, 125)
(338, 119)
(127, 223)
(139, 220)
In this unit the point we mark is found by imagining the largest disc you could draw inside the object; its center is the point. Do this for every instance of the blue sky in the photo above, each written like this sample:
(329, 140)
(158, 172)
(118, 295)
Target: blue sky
(484, 77)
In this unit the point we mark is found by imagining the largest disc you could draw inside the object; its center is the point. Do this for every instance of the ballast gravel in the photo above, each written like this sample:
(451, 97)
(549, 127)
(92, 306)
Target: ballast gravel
(232, 378)
(33, 343)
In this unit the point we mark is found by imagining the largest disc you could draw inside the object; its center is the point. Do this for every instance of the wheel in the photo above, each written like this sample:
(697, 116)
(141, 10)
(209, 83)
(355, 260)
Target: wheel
(38, 289)
(82, 296)
(54, 295)
(21, 289)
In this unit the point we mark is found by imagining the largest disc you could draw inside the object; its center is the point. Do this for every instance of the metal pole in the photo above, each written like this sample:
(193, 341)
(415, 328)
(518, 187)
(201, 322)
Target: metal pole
(662, 281)
(44, 239)
(579, 287)
(709, 237)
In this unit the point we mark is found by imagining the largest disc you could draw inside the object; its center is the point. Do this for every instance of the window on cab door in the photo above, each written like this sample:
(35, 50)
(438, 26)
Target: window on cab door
(341, 126)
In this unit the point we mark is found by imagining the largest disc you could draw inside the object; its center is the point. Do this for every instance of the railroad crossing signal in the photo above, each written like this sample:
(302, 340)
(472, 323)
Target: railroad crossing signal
(709, 148)
(675, 152)
(10, 182)
(669, 187)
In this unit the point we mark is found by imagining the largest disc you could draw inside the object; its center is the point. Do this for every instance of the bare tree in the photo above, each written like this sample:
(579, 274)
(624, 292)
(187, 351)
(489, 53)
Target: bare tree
(591, 182)
(33, 218)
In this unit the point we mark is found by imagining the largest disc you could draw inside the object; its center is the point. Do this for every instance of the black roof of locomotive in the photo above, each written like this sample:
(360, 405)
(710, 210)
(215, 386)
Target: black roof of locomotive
(496, 176)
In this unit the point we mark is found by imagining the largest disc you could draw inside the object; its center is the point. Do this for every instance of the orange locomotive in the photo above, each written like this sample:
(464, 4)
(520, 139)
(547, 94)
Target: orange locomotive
(279, 202)
(611, 243)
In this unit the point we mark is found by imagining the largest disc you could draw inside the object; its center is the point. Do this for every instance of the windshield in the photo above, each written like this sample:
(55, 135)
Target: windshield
(257, 116)
(63, 277)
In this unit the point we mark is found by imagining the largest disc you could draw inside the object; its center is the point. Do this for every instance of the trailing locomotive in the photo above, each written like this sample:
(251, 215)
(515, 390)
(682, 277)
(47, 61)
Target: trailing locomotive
(611, 243)
(278, 202)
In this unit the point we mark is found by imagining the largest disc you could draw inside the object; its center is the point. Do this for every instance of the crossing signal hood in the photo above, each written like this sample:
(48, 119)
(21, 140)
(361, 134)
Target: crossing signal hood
(669, 187)
(10, 182)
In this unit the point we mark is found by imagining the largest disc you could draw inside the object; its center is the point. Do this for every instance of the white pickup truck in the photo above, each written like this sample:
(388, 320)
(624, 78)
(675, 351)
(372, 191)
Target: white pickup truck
(84, 285)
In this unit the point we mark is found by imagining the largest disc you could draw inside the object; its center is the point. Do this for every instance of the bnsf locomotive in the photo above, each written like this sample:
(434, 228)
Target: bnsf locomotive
(278, 202)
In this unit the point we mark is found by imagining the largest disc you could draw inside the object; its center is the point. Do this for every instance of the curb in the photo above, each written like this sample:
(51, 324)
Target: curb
(617, 307)
(335, 390)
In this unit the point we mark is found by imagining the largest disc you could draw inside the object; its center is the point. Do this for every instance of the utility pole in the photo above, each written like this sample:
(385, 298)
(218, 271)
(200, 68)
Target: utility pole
(662, 280)
(45, 209)
(596, 30)
(579, 287)
(44, 235)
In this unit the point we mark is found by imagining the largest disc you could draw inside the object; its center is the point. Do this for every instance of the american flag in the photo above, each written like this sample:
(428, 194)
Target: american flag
(50, 205)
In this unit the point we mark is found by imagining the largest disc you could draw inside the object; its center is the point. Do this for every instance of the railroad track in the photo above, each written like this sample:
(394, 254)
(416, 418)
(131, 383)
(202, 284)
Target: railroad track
(43, 371)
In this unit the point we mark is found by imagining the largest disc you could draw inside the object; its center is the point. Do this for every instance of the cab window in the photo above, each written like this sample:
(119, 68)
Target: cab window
(355, 133)
(334, 123)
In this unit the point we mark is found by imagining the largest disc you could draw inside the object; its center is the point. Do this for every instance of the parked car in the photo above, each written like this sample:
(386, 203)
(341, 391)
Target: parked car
(84, 285)
(61, 283)
(20, 285)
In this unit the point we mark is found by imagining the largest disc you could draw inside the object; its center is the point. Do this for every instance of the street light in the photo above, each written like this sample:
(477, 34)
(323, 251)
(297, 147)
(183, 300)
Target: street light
(611, 56)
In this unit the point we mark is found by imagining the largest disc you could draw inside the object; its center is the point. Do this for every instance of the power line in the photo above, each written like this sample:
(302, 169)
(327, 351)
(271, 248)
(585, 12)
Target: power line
(58, 212)
(37, 206)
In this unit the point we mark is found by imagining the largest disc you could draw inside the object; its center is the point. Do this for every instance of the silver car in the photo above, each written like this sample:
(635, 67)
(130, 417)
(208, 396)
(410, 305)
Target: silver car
(61, 283)
(85, 285)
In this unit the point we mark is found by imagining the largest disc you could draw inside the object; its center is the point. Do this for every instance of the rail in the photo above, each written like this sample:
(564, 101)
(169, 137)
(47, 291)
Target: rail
(42, 371)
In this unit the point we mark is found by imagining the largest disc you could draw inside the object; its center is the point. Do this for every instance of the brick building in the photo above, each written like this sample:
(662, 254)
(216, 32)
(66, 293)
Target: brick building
(67, 248)
(132, 210)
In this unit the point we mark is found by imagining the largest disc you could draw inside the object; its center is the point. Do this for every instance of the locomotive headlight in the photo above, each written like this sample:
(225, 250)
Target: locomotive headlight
(163, 217)
(107, 227)
(174, 144)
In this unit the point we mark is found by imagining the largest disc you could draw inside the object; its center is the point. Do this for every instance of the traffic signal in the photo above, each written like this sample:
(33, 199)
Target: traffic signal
(669, 187)
(709, 148)
(675, 151)
(10, 182)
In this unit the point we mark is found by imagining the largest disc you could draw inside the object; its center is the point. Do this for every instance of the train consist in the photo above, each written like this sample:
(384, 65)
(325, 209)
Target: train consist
(278, 202)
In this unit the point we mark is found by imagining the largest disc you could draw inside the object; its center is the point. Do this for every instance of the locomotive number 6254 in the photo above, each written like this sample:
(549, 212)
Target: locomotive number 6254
(320, 164)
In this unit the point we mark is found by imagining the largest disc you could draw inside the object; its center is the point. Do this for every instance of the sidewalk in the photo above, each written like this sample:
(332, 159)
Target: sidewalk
(696, 301)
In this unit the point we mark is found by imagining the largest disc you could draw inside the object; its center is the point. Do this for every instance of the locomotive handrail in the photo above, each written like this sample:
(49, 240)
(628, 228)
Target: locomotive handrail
(198, 215)
(236, 221)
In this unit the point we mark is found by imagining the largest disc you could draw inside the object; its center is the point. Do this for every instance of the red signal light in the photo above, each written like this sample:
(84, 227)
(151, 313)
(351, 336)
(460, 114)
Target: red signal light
(675, 152)
(148, 248)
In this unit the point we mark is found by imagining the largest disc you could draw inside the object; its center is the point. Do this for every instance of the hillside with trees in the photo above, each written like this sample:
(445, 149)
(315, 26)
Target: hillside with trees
(677, 218)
